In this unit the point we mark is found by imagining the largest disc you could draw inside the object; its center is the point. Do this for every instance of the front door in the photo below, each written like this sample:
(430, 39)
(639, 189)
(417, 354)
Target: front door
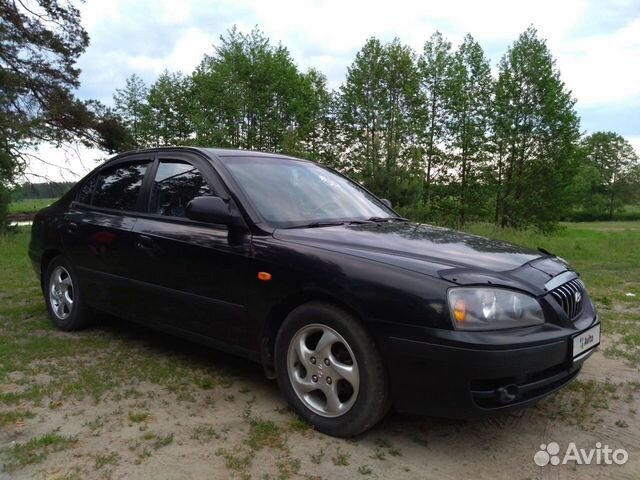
(189, 276)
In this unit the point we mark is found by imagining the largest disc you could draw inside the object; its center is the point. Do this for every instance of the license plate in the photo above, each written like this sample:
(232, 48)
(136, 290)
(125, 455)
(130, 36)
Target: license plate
(585, 342)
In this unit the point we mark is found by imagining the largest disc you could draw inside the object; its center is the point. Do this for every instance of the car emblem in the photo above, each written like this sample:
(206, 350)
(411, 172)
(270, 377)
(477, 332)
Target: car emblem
(578, 296)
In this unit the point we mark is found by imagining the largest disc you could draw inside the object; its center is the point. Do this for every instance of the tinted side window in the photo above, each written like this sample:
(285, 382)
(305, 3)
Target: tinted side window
(86, 191)
(175, 185)
(119, 187)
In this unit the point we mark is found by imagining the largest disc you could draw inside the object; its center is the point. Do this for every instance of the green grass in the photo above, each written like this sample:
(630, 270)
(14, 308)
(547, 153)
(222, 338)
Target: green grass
(298, 425)
(607, 255)
(91, 363)
(138, 417)
(9, 417)
(205, 434)
(264, 433)
(37, 449)
(103, 460)
(341, 458)
(237, 460)
(110, 362)
(30, 205)
(162, 441)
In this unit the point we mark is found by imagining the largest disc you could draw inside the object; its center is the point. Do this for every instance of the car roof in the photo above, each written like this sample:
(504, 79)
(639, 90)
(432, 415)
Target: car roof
(220, 153)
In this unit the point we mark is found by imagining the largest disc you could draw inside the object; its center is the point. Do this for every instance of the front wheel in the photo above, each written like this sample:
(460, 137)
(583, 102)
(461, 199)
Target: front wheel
(63, 296)
(330, 370)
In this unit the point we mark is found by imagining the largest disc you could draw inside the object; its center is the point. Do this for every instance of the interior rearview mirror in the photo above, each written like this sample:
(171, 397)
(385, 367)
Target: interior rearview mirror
(210, 210)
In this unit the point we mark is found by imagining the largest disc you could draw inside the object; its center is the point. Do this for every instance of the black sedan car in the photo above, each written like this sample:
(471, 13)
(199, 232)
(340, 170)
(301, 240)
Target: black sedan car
(350, 306)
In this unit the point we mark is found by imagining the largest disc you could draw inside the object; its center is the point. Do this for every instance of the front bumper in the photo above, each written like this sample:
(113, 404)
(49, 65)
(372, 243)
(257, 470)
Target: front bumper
(462, 380)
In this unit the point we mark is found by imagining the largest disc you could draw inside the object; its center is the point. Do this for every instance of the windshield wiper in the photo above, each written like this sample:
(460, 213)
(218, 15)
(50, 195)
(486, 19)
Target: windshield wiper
(387, 219)
(329, 223)
(318, 224)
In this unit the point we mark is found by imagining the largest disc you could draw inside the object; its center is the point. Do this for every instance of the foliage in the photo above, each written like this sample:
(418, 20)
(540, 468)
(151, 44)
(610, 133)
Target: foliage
(610, 173)
(31, 205)
(435, 132)
(130, 105)
(468, 123)
(5, 198)
(434, 67)
(40, 41)
(374, 108)
(535, 132)
(249, 94)
(40, 190)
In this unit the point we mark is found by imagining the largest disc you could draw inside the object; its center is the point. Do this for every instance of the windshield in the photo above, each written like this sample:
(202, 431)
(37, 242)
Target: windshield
(292, 193)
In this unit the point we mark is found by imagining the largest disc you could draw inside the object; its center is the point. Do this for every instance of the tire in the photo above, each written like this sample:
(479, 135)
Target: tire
(63, 296)
(338, 383)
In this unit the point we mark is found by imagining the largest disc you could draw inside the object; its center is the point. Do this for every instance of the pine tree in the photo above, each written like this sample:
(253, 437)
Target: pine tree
(40, 42)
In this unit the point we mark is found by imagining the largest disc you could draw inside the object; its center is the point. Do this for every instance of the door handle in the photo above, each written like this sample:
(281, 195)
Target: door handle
(72, 228)
(144, 242)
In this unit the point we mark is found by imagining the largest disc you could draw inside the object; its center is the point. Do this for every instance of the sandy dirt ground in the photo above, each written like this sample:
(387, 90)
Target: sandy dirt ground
(241, 428)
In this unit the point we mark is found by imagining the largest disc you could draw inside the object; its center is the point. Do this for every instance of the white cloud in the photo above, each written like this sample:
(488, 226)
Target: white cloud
(68, 163)
(601, 69)
(189, 50)
(596, 43)
(326, 33)
(634, 140)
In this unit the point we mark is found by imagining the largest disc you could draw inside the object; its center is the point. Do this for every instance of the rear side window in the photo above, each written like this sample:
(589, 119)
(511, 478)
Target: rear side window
(175, 185)
(86, 191)
(119, 187)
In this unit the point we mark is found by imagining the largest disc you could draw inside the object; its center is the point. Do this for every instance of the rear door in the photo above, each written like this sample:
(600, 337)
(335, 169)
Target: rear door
(98, 236)
(189, 275)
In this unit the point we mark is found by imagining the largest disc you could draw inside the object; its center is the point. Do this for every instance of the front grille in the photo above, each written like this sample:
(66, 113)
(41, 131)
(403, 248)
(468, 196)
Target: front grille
(570, 296)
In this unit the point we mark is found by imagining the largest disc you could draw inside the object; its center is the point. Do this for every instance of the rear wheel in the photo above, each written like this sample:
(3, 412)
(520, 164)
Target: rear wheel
(63, 296)
(330, 370)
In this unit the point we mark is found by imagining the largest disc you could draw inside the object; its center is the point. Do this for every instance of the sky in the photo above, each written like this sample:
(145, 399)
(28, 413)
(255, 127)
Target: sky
(596, 45)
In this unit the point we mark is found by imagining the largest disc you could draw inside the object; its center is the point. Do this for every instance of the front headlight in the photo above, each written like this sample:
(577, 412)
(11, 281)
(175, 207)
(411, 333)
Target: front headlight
(492, 309)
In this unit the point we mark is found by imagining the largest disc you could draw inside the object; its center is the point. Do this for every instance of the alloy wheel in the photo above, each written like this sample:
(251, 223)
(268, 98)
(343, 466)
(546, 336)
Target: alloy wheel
(61, 293)
(323, 370)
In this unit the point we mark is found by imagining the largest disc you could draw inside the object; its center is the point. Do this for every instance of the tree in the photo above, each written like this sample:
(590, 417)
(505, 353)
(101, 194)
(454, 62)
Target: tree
(40, 42)
(360, 103)
(616, 164)
(535, 135)
(39, 45)
(434, 66)
(249, 94)
(131, 105)
(375, 106)
(167, 114)
(318, 127)
(468, 104)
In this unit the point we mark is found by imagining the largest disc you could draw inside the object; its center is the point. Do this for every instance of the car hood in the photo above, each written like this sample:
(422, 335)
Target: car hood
(455, 256)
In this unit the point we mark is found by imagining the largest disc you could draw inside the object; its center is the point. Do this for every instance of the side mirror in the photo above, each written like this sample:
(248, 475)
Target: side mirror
(210, 210)
(386, 202)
